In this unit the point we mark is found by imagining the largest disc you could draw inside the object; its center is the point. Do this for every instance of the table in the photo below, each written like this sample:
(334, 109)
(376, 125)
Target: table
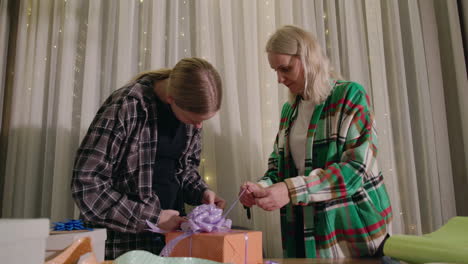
(327, 261)
(315, 261)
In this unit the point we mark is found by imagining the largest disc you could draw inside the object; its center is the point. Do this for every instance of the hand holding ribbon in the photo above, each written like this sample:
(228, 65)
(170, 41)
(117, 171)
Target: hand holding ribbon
(248, 199)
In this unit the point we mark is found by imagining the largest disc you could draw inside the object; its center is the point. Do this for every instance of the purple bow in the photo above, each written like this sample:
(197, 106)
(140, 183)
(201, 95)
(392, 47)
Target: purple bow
(206, 218)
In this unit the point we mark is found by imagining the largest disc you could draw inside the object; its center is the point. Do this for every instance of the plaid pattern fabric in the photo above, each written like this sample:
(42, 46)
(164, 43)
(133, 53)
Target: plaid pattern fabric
(345, 206)
(113, 170)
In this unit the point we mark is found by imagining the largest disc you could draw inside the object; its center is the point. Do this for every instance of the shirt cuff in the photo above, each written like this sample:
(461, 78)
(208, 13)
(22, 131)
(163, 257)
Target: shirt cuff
(298, 187)
(152, 217)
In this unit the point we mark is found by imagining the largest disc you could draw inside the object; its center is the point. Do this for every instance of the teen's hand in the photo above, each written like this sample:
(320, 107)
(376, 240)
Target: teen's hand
(170, 220)
(210, 197)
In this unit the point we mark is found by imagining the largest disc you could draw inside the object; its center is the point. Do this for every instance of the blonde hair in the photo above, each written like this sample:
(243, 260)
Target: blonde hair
(194, 84)
(295, 41)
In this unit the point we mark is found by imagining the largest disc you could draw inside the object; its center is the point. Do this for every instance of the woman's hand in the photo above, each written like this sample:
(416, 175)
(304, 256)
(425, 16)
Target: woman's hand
(272, 197)
(210, 197)
(248, 199)
(170, 220)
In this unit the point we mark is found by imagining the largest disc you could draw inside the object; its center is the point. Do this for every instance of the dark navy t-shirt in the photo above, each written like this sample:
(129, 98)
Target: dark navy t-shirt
(172, 140)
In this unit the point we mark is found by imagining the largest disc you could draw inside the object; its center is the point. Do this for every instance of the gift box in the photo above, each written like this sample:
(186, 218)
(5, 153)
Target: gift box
(23, 240)
(57, 241)
(236, 246)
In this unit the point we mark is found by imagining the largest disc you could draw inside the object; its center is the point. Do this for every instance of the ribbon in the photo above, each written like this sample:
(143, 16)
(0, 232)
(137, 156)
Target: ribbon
(246, 237)
(70, 225)
(166, 251)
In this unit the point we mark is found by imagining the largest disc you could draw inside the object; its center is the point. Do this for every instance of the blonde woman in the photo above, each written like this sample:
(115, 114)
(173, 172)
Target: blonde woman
(139, 160)
(323, 173)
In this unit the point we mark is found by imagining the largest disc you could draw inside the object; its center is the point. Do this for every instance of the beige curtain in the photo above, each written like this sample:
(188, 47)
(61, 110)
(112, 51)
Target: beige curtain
(71, 54)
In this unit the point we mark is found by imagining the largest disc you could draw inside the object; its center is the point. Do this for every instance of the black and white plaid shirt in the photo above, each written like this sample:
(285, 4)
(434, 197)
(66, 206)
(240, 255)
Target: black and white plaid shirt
(113, 171)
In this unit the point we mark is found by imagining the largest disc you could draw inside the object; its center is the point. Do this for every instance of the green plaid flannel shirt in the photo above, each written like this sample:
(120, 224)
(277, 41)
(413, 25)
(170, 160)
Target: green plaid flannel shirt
(345, 206)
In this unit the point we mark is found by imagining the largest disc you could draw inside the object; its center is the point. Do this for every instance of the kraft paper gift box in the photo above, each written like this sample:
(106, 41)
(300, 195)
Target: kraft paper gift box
(226, 247)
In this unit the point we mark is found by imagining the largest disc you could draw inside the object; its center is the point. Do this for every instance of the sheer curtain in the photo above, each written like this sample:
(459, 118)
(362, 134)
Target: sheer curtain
(70, 55)
(4, 31)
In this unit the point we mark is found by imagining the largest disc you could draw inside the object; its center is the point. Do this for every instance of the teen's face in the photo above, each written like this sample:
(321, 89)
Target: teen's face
(289, 70)
(189, 117)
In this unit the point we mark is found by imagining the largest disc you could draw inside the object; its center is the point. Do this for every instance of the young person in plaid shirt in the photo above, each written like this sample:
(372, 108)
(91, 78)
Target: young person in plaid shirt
(323, 173)
(139, 160)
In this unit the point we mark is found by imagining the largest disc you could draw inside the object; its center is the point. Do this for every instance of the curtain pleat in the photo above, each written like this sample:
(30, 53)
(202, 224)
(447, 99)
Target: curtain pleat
(71, 54)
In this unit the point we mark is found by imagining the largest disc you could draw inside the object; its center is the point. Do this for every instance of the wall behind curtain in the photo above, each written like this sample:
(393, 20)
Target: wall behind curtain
(69, 55)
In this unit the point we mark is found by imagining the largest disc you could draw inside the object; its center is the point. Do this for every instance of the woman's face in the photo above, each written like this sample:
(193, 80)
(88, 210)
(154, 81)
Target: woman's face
(289, 70)
(189, 117)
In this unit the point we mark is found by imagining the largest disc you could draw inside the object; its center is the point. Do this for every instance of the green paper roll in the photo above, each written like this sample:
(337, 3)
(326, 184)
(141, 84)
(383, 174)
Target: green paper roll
(449, 244)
